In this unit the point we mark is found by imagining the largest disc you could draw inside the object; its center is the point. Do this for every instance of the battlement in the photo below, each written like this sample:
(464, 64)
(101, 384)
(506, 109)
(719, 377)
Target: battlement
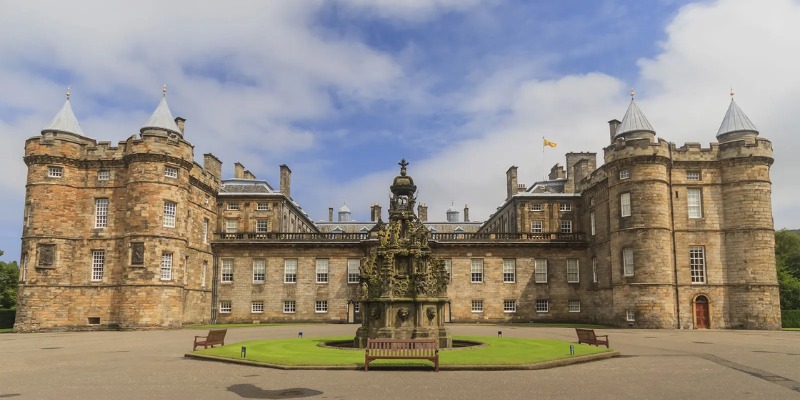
(635, 148)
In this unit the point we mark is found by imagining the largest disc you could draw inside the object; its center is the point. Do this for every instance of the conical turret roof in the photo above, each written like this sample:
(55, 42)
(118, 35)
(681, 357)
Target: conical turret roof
(735, 121)
(634, 121)
(162, 118)
(64, 121)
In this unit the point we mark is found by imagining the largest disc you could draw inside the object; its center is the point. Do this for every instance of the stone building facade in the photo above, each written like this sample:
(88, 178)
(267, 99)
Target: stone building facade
(658, 236)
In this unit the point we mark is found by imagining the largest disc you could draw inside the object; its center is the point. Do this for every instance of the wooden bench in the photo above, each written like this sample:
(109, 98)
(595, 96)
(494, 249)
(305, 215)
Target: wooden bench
(589, 337)
(215, 336)
(412, 349)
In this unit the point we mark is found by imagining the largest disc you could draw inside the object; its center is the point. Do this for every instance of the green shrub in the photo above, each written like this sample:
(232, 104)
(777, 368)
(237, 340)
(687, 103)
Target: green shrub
(7, 318)
(790, 318)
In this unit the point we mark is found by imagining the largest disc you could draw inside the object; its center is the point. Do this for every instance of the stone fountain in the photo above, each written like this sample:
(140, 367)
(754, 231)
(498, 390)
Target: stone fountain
(404, 288)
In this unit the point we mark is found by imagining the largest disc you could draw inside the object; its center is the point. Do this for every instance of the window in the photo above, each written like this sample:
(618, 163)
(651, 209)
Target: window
(290, 270)
(627, 261)
(227, 270)
(574, 306)
(225, 307)
(100, 213)
(321, 306)
(231, 225)
(509, 306)
(536, 207)
(509, 270)
(262, 206)
(624, 174)
(693, 175)
(55, 172)
(565, 207)
(694, 198)
(573, 270)
(98, 264)
(542, 306)
(233, 206)
(262, 225)
(203, 274)
(170, 172)
(166, 266)
(566, 226)
(697, 263)
(170, 211)
(353, 272)
(322, 270)
(205, 231)
(536, 226)
(630, 316)
(356, 307)
(540, 270)
(477, 306)
(289, 307)
(594, 269)
(257, 307)
(625, 205)
(259, 270)
(448, 268)
(591, 222)
(103, 175)
(476, 270)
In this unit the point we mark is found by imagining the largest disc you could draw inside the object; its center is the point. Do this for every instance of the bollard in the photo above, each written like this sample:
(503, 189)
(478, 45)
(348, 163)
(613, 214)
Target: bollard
(571, 350)
(300, 334)
(244, 352)
(499, 333)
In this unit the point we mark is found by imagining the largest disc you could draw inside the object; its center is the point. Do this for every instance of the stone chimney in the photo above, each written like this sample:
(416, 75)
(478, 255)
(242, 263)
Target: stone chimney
(612, 128)
(573, 159)
(422, 212)
(330, 213)
(580, 171)
(521, 188)
(212, 165)
(286, 181)
(466, 213)
(180, 121)
(238, 171)
(249, 175)
(375, 212)
(511, 181)
(557, 172)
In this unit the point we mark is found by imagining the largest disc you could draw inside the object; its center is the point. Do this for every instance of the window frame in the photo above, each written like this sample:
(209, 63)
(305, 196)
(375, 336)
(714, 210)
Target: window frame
(476, 268)
(226, 270)
(564, 207)
(259, 270)
(290, 270)
(257, 307)
(322, 268)
(509, 270)
(231, 225)
(509, 306)
(170, 214)
(628, 262)
(448, 268)
(262, 225)
(289, 306)
(694, 211)
(477, 306)
(320, 306)
(542, 306)
(225, 306)
(537, 207)
(565, 226)
(205, 230)
(170, 172)
(624, 174)
(625, 204)
(697, 265)
(101, 206)
(592, 221)
(166, 266)
(693, 176)
(540, 270)
(232, 206)
(539, 229)
(572, 303)
(104, 175)
(594, 269)
(262, 206)
(54, 171)
(630, 316)
(353, 270)
(98, 265)
(575, 275)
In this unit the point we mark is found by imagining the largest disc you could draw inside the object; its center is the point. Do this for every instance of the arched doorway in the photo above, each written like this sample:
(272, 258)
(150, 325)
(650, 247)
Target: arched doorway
(702, 318)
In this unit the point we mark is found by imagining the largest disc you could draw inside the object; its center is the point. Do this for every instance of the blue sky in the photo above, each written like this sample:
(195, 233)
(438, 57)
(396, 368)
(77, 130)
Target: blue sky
(341, 90)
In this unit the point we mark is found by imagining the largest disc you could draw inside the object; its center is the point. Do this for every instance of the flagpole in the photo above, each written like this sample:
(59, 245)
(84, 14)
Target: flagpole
(544, 172)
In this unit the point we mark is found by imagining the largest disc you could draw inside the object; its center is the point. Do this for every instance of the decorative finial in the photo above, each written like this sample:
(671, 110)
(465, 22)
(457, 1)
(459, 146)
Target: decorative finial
(632, 93)
(164, 90)
(403, 163)
(731, 92)
(67, 92)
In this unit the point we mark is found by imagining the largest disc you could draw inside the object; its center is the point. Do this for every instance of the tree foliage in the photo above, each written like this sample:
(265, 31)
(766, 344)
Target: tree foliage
(787, 258)
(9, 277)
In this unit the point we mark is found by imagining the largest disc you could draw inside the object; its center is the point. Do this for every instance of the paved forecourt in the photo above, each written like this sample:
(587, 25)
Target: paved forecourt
(655, 364)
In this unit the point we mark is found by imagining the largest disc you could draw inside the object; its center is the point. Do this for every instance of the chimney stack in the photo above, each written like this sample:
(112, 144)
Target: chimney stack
(212, 165)
(249, 175)
(181, 122)
(612, 128)
(330, 213)
(511, 181)
(238, 171)
(286, 181)
(375, 212)
(422, 212)
(466, 213)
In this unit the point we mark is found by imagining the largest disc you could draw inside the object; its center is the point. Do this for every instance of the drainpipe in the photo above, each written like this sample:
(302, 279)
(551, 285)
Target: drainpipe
(674, 249)
(214, 289)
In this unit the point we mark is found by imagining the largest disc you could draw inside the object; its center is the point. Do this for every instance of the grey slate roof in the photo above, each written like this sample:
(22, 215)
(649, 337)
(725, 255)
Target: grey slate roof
(735, 121)
(64, 121)
(634, 121)
(162, 118)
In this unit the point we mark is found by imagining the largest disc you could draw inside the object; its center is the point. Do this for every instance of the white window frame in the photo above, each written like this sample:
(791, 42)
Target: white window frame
(103, 175)
(624, 174)
(542, 305)
(231, 225)
(205, 230)
(628, 264)
(537, 226)
(565, 226)
(573, 270)
(226, 271)
(353, 270)
(257, 307)
(592, 222)
(625, 204)
(166, 266)
(697, 264)
(170, 172)
(289, 306)
(694, 203)
(101, 213)
(55, 172)
(232, 206)
(540, 270)
(564, 207)
(477, 306)
(356, 307)
(225, 306)
(203, 274)
(594, 269)
(476, 270)
(322, 269)
(630, 316)
(262, 226)
(448, 267)
(509, 270)
(537, 207)
(98, 265)
(693, 176)
(259, 270)
(170, 212)
(509, 306)
(262, 206)
(290, 270)
(321, 306)
(574, 306)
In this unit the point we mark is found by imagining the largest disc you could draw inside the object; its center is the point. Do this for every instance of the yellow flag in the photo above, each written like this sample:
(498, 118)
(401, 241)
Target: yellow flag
(549, 143)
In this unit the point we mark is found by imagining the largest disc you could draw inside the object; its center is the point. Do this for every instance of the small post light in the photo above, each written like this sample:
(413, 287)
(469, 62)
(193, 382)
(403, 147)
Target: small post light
(572, 350)
(244, 352)
(499, 333)
(300, 334)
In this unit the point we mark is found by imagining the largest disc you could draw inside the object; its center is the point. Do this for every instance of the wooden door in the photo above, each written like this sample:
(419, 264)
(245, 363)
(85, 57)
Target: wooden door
(701, 316)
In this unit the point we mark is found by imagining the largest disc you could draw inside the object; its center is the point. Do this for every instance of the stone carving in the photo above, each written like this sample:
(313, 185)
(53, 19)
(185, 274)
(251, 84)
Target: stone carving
(47, 255)
(430, 312)
(375, 313)
(402, 313)
(137, 253)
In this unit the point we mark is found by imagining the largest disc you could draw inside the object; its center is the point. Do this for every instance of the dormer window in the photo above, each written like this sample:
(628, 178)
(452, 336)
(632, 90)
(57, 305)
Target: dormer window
(55, 172)
(170, 172)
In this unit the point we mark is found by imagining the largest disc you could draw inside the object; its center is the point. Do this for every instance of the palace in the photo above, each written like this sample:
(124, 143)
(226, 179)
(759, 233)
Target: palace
(138, 235)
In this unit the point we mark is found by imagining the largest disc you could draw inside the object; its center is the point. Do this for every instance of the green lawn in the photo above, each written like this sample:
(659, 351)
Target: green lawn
(791, 329)
(223, 326)
(498, 351)
(6, 330)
